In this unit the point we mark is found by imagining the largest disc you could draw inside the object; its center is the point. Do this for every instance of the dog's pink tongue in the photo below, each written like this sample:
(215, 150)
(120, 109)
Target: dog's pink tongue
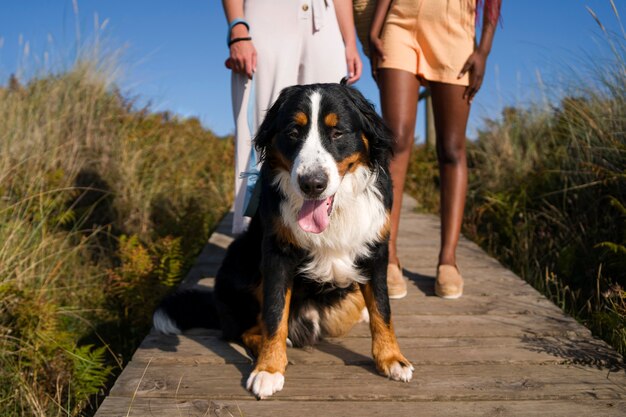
(314, 215)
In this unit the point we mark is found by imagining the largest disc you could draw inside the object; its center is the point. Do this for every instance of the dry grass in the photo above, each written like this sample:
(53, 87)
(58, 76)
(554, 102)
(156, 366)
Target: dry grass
(102, 209)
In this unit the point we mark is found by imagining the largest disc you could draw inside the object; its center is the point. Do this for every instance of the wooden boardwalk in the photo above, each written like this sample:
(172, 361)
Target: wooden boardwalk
(500, 350)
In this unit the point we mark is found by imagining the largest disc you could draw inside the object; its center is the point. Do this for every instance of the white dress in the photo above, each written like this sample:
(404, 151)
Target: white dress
(297, 42)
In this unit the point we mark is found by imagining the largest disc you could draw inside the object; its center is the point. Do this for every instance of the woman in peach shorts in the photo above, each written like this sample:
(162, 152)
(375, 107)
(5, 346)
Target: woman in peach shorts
(416, 42)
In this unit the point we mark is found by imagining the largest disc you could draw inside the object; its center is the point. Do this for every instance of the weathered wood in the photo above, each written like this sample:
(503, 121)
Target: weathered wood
(158, 407)
(329, 382)
(460, 326)
(201, 407)
(529, 349)
(476, 304)
(500, 350)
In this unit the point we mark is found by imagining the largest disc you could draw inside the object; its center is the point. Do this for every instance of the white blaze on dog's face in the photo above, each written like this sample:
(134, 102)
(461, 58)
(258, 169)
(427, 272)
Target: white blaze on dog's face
(314, 174)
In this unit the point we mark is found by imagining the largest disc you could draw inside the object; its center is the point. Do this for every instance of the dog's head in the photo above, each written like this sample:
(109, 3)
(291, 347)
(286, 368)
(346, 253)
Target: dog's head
(319, 134)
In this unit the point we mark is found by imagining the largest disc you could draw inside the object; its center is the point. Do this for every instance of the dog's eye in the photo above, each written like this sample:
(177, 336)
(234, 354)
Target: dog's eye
(294, 133)
(336, 134)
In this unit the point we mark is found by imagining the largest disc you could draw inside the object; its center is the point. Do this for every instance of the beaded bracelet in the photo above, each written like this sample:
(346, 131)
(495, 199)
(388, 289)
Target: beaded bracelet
(247, 38)
(234, 23)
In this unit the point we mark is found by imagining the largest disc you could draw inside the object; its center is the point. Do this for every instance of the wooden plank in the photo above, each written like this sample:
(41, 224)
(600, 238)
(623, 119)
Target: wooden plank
(209, 349)
(463, 326)
(328, 382)
(423, 409)
(476, 283)
(460, 326)
(168, 407)
(470, 304)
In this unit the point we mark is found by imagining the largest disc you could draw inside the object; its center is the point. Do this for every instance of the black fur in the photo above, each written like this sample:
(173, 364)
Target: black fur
(261, 259)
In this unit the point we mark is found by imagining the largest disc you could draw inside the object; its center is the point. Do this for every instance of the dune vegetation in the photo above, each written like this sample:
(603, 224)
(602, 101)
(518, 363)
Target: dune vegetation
(103, 207)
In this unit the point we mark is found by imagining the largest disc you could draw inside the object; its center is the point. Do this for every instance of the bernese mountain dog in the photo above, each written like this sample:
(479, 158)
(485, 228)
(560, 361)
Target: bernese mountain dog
(315, 253)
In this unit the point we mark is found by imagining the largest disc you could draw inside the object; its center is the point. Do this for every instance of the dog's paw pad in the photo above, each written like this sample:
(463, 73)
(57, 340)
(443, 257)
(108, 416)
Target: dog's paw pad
(401, 372)
(264, 384)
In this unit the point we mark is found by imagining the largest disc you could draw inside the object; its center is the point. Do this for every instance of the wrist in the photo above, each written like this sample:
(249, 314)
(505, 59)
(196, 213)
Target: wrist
(483, 51)
(239, 31)
(237, 28)
(350, 42)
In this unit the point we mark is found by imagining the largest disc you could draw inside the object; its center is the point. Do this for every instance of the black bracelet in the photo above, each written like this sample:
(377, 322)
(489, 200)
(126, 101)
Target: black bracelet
(230, 42)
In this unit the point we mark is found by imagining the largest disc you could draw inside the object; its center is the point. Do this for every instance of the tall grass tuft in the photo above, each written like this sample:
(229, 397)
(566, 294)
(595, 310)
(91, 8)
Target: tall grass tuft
(547, 195)
(102, 209)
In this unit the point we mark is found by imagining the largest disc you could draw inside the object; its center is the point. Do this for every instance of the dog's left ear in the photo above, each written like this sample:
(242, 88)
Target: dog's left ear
(376, 132)
(268, 129)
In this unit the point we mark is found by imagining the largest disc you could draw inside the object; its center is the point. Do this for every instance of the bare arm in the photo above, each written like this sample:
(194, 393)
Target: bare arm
(477, 61)
(242, 54)
(376, 45)
(345, 18)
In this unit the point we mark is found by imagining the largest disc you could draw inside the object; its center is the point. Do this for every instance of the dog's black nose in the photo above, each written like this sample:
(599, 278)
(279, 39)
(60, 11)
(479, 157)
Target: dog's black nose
(314, 184)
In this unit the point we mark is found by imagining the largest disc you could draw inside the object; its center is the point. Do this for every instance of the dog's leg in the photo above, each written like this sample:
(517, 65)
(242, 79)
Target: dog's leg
(252, 340)
(267, 377)
(385, 350)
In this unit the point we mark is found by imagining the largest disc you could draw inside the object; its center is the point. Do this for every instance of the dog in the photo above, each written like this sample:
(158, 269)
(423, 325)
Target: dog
(315, 253)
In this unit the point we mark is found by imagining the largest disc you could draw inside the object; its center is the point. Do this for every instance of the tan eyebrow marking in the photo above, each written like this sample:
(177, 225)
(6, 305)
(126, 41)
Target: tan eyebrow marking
(366, 143)
(300, 119)
(351, 162)
(331, 119)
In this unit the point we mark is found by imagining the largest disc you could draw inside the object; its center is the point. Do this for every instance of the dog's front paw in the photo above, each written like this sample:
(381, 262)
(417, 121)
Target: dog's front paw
(401, 371)
(264, 384)
(398, 369)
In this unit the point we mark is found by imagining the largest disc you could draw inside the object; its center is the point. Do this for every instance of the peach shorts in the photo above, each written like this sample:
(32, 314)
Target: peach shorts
(430, 38)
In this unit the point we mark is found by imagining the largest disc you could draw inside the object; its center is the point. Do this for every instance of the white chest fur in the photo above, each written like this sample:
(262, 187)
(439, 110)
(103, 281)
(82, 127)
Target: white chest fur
(357, 218)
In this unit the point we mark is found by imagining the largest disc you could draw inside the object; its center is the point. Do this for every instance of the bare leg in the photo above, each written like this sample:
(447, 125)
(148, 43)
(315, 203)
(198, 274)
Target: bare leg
(399, 92)
(451, 113)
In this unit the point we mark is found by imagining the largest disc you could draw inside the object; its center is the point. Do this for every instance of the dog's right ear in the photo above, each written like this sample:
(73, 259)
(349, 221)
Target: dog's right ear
(269, 128)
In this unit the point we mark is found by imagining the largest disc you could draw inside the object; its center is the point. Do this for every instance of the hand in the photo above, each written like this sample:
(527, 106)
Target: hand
(376, 54)
(475, 65)
(242, 54)
(353, 61)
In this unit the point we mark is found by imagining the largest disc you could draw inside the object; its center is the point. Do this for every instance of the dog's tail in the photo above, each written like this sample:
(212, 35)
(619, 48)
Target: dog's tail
(186, 309)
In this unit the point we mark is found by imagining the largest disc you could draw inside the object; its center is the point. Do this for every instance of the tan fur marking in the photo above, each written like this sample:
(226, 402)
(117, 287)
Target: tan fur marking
(273, 350)
(277, 160)
(252, 339)
(283, 233)
(300, 119)
(366, 143)
(385, 349)
(351, 163)
(385, 231)
(337, 321)
(331, 120)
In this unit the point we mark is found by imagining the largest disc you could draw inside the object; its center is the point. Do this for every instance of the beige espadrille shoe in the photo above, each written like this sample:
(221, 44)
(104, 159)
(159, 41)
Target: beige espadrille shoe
(449, 283)
(396, 284)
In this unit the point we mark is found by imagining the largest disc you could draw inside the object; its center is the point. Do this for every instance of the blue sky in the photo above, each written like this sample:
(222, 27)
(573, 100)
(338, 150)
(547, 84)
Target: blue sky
(173, 52)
